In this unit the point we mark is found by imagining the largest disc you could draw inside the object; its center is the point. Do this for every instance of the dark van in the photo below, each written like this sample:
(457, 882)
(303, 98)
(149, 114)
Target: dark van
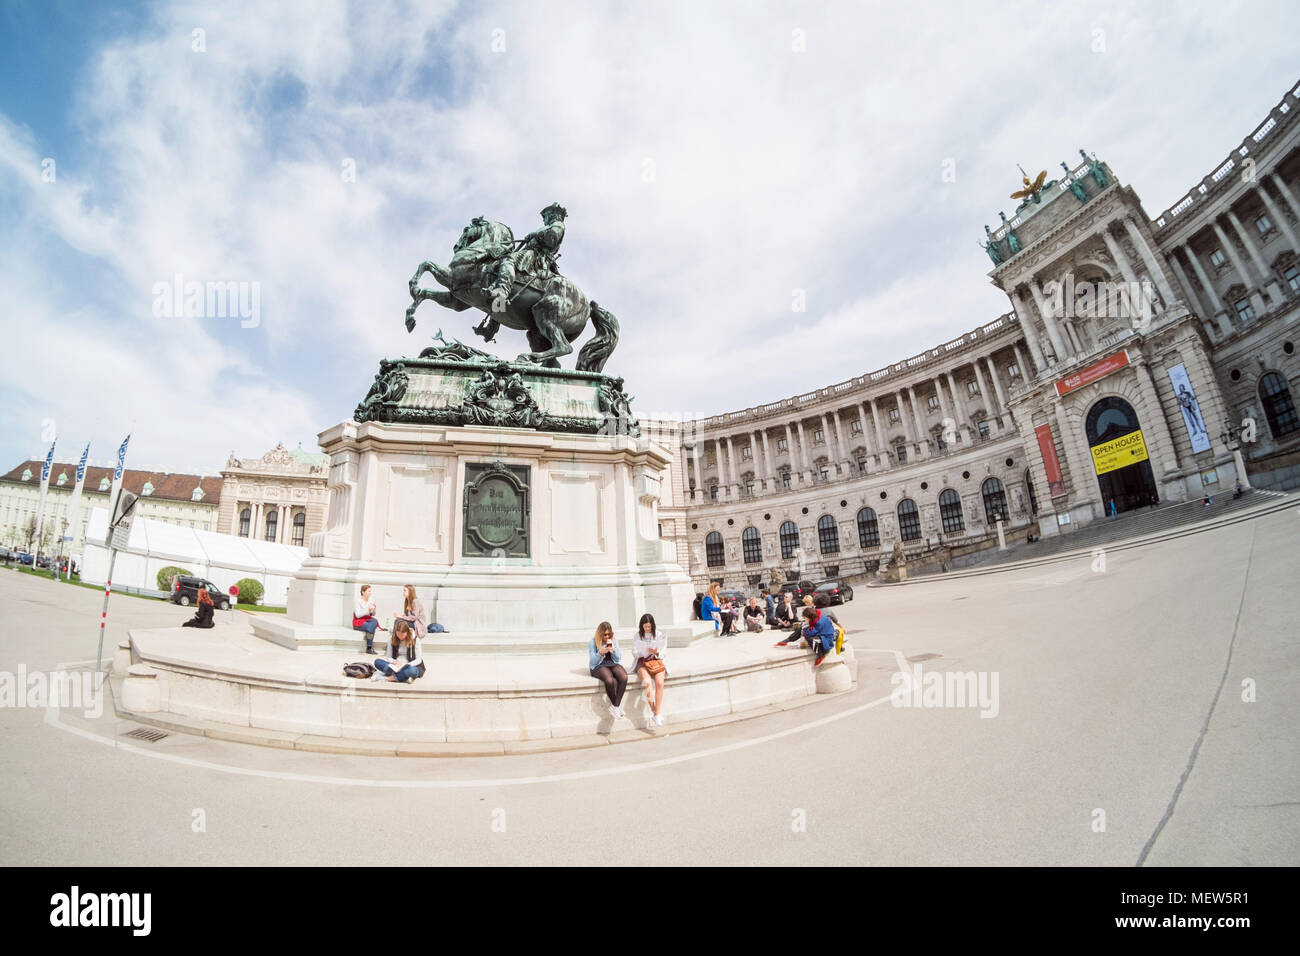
(185, 591)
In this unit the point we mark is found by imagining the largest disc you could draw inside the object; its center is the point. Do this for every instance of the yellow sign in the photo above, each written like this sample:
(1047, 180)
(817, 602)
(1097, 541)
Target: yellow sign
(1119, 452)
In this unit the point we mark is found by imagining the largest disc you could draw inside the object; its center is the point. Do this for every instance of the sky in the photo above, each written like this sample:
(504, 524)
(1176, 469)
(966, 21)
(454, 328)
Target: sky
(770, 197)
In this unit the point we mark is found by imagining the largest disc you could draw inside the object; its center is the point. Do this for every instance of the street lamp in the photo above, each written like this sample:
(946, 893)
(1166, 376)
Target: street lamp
(1232, 442)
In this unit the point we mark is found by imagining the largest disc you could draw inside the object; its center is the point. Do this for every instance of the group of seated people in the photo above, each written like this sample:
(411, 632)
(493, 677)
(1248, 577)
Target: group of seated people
(812, 621)
(405, 660)
(605, 661)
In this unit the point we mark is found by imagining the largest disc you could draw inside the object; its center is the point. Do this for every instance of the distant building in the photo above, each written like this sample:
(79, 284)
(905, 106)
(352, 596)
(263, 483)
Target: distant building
(282, 496)
(190, 501)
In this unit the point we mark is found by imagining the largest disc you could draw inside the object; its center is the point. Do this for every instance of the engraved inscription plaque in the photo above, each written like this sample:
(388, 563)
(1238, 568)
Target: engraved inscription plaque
(496, 510)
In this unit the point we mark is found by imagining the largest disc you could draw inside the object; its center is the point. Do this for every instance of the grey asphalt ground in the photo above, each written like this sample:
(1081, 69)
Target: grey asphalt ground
(1121, 736)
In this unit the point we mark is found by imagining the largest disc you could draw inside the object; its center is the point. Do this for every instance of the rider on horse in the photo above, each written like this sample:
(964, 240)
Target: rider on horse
(535, 257)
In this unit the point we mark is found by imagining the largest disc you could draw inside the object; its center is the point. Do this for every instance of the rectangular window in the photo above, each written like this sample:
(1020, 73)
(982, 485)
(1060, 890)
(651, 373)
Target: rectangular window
(855, 427)
(1263, 224)
(932, 403)
(746, 453)
(713, 492)
(1292, 277)
(781, 444)
(1013, 370)
(972, 387)
(983, 428)
(1245, 311)
(825, 476)
(749, 487)
(901, 453)
(895, 415)
(862, 466)
(818, 437)
(1216, 258)
(785, 479)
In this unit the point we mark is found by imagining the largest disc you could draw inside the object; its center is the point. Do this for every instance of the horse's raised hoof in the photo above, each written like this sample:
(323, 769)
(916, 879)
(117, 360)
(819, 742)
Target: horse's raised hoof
(528, 358)
(410, 321)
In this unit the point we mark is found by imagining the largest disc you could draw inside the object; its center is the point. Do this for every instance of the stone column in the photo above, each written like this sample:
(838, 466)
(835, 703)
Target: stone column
(1025, 371)
(1220, 313)
(959, 404)
(285, 511)
(1148, 257)
(1159, 427)
(255, 531)
(769, 464)
(1265, 276)
(859, 407)
(1078, 459)
(882, 449)
(1049, 322)
(805, 459)
(985, 395)
(734, 478)
(1194, 300)
(923, 438)
(1230, 251)
(1279, 217)
(1121, 259)
(903, 419)
(1285, 192)
(830, 444)
(695, 466)
(1027, 326)
(997, 385)
(844, 445)
(789, 449)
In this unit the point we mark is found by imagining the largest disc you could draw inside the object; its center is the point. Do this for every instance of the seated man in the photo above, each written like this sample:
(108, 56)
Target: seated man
(819, 631)
(363, 618)
(754, 616)
(769, 606)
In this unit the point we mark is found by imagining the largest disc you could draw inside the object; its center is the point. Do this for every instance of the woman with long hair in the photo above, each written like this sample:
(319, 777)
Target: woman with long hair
(648, 664)
(405, 662)
(412, 611)
(606, 665)
(203, 614)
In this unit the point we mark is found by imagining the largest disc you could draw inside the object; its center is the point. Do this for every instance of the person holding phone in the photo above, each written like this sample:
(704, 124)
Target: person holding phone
(606, 664)
(648, 664)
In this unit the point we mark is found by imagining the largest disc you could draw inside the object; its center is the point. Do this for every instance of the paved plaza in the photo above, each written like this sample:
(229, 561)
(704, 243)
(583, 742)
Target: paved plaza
(1118, 734)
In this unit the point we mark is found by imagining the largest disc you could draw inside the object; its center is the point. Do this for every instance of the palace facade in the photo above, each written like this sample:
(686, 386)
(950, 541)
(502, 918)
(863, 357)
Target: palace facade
(282, 496)
(1142, 360)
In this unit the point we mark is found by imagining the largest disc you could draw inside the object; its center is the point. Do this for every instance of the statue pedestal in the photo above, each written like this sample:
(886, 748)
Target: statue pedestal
(502, 531)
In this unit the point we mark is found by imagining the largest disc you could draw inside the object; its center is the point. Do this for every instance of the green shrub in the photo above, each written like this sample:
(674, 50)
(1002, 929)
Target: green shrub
(165, 576)
(250, 590)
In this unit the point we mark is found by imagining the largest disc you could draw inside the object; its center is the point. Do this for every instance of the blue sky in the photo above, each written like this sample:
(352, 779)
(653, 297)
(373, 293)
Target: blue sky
(714, 158)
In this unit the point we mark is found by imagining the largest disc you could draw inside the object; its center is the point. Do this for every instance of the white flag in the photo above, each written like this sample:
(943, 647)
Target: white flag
(117, 479)
(74, 503)
(40, 506)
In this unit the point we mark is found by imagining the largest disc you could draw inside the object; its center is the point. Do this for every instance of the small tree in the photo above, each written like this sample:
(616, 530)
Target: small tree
(164, 579)
(250, 590)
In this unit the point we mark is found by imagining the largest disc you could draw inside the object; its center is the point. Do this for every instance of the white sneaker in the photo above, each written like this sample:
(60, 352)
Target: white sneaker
(618, 712)
(614, 712)
(659, 720)
(379, 675)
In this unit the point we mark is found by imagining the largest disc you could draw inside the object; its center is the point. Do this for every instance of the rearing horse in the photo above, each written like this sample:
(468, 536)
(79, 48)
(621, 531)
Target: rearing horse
(550, 309)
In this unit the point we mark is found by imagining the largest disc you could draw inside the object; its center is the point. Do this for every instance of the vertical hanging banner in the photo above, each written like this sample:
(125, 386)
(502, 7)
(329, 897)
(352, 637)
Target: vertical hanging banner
(1051, 464)
(114, 492)
(1192, 417)
(40, 505)
(74, 503)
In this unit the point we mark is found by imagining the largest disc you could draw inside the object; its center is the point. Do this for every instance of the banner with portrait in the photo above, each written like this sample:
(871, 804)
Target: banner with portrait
(1193, 420)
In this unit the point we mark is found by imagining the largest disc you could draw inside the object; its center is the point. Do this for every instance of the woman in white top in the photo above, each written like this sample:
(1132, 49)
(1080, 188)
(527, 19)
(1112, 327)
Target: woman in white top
(404, 662)
(647, 651)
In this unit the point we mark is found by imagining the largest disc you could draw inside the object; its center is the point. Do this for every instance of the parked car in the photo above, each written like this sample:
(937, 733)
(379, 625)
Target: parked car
(731, 594)
(798, 589)
(185, 591)
(835, 592)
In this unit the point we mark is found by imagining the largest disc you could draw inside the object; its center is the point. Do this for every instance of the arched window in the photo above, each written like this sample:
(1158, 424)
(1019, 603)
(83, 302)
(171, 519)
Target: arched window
(909, 520)
(272, 521)
(789, 539)
(868, 529)
(245, 518)
(713, 552)
(300, 528)
(1029, 487)
(995, 500)
(752, 543)
(828, 535)
(1279, 409)
(950, 512)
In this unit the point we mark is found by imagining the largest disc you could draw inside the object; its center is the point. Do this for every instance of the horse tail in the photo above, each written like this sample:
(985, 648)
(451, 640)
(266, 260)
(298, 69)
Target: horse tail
(596, 352)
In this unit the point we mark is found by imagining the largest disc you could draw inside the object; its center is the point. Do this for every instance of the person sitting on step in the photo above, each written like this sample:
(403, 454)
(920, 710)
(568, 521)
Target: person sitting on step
(405, 661)
(754, 616)
(606, 665)
(820, 632)
(203, 614)
(363, 618)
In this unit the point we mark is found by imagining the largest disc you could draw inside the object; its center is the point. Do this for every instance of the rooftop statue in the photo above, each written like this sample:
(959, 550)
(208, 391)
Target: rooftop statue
(515, 283)
(992, 248)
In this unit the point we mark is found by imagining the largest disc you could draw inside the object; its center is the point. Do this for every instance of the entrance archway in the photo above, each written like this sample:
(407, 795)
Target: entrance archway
(1129, 486)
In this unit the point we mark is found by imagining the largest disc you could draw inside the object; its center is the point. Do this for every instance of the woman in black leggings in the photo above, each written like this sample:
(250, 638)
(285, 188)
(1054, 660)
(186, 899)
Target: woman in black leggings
(606, 665)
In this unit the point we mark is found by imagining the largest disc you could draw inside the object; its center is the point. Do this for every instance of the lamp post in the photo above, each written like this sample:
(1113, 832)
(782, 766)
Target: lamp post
(1233, 444)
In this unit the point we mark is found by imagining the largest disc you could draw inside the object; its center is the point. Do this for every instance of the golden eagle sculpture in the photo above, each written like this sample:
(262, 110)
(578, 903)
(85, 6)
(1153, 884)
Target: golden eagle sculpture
(1031, 189)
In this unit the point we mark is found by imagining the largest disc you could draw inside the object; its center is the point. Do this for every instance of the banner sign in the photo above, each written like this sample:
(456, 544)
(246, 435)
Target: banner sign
(1119, 452)
(1192, 418)
(1087, 376)
(1051, 464)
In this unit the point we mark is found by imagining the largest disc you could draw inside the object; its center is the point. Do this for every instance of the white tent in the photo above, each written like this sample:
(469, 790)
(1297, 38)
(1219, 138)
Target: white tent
(221, 558)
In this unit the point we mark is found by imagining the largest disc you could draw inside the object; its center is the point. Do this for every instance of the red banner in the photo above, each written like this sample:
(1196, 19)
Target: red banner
(1051, 464)
(1093, 372)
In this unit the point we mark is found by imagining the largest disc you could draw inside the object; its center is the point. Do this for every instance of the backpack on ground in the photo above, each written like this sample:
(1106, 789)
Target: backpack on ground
(359, 670)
